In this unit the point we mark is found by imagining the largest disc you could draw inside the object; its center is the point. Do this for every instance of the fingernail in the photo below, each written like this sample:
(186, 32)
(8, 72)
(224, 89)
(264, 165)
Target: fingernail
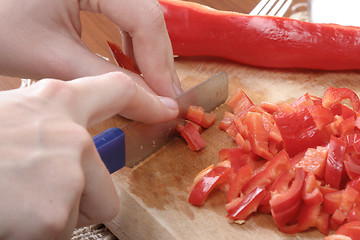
(177, 89)
(169, 102)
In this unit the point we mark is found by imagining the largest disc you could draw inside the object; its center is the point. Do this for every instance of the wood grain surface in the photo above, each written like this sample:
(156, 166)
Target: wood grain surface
(154, 194)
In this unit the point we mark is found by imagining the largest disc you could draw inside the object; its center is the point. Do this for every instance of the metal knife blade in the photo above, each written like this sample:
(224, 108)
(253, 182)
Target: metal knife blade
(136, 141)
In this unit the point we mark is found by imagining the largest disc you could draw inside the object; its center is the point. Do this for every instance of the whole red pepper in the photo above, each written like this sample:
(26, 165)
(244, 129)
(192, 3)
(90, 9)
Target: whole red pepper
(264, 41)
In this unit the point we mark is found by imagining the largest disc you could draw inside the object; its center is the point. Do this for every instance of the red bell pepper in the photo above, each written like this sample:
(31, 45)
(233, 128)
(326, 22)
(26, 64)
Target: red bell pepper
(332, 201)
(347, 126)
(121, 59)
(198, 115)
(226, 121)
(279, 164)
(354, 214)
(240, 210)
(311, 193)
(354, 183)
(243, 175)
(335, 162)
(318, 187)
(197, 30)
(237, 157)
(239, 102)
(285, 205)
(258, 136)
(347, 112)
(352, 166)
(351, 229)
(333, 96)
(298, 131)
(192, 137)
(207, 183)
(314, 161)
(353, 143)
(342, 200)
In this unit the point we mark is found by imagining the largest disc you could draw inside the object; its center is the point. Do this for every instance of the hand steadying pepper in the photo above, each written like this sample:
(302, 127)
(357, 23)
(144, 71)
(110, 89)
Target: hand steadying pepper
(42, 39)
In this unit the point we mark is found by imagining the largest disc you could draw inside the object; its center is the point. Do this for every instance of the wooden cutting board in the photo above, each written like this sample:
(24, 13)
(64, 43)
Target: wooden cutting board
(153, 195)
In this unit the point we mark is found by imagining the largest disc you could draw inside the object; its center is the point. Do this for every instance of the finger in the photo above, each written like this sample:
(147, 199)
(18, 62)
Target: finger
(150, 40)
(127, 45)
(91, 100)
(116, 93)
(99, 201)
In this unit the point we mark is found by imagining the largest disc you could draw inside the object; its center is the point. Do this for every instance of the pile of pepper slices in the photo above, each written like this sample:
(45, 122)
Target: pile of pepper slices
(299, 162)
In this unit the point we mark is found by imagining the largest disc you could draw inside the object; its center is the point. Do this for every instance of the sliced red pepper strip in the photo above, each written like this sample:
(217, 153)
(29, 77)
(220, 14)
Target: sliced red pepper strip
(286, 205)
(347, 126)
(278, 165)
(351, 229)
(239, 102)
(322, 117)
(351, 167)
(298, 131)
(332, 201)
(243, 175)
(355, 183)
(198, 115)
(347, 112)
(303, 101)
(226, 121)
(258, 136)
(197, 30)
(207, 183)
(242, 209)
(337, 237)
(338, 217)
(352, 143)
(195, 114)
(322, 223)
(335, 162)
(308, 218)
(314, 161)
(333, 96)
(311, 193)
(354, 214)
(237, 157)
(121, 59)
(192, 137)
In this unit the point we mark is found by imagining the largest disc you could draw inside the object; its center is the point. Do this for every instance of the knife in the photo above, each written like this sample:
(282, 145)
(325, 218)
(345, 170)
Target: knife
(135, 141)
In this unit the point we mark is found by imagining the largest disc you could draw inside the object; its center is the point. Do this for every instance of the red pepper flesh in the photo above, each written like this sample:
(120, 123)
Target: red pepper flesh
(265, 41)
(298, 131)
(206, 184)
(248, 205)
(192, 137)
(335, 162)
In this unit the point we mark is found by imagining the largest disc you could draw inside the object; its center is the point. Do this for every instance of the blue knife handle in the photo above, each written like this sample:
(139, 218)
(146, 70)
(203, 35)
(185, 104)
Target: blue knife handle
(111, 147)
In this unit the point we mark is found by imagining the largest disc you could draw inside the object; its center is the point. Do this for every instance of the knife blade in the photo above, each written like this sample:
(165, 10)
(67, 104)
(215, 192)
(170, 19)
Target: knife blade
(135, 141)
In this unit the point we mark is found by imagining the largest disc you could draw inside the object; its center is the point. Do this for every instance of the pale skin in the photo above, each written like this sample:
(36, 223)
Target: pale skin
(53, 179)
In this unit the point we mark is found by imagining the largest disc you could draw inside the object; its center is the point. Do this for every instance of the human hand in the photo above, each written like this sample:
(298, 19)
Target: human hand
(53, 179)
(42, 39)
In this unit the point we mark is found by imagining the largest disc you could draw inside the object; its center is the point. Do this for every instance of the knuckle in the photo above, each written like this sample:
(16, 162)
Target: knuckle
(156, 17)
(54, 89)
(54, 221)
(81, 138)
(128, 89)
(112, 211)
